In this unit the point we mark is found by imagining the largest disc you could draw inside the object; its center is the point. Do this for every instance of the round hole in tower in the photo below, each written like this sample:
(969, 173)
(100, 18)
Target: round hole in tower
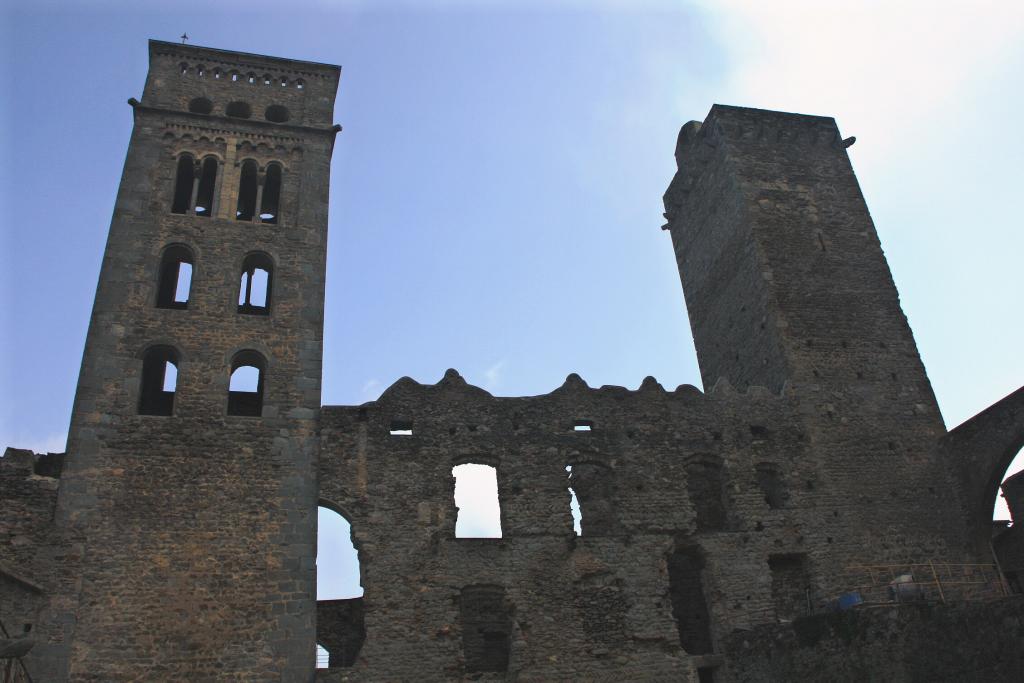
(200, 105)
(240, 110)
(276, 113)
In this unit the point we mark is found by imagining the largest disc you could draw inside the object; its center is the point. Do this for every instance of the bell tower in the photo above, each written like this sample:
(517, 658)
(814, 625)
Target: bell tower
(191, 464)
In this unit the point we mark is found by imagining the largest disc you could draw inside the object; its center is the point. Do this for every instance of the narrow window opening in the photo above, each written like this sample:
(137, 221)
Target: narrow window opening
(207, 183)
(486, 628)
(175, 279)
(159, 381)
(216, 73)
(245, 391)
(256, 282)
(247, 186)
(689, 606)
(401, 428)
(183, 67)
(271, 194)
(201, 71)
(773, 486)
(300, 84)
(591, 485)
(705, 485)
(252, 79)
(574, 506)
(266, 79)
(183, 181)
(790, 586)
(583, 426)
(284, 81)
(478, 511)
(234, 76)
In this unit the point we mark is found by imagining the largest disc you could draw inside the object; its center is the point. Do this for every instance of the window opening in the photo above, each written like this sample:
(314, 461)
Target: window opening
(184, 179)
(205, 189)
(401, 428)
(255, 287)
(184, 68)
(591, 486)
(252, 79)
(574, 506)
(284, 81)
(705, 485)
(271, 194)
(234, 76)
(689, 606)
(201, 71)
(300, 84)
(247, 185)
(790, 586)
(175, 279)
(159, 381)
(216, 73)
(583, 425)
(266, 79)
(323, 657)
(245, 391)
(772, 485)
(478, 511)
(486, 628)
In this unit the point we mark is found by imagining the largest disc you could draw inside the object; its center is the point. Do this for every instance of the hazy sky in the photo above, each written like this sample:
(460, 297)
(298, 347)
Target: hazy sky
(496, 191)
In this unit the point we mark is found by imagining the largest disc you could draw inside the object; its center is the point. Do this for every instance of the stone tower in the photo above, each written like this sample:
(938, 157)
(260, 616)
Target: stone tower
(193, 439)
(787, 288)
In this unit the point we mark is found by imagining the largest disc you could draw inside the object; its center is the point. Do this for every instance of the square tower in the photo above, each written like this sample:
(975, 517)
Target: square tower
(191, 464)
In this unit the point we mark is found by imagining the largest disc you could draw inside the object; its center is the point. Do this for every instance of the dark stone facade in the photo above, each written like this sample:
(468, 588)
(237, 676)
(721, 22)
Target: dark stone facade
(178, 542)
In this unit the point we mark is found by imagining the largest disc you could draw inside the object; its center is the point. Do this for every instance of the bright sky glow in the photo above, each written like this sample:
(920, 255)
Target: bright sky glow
(476, 497)
(496, 189)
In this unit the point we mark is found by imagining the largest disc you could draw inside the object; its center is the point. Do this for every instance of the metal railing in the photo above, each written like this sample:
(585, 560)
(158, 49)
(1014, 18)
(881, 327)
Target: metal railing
(925, 582)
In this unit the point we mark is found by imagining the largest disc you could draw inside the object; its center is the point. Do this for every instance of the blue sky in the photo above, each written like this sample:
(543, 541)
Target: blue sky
(496, 191)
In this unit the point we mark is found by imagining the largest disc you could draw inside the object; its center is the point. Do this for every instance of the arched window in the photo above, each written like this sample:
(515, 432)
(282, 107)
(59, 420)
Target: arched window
(478, 511)
(271, 194)
(159, 381)
(183, 181)
(206, 186)
(300, 84)
(247, 189)
(255, 287)
(340, 628)
(245, 392)
(175, 277)
(194, 186)
(201, 71)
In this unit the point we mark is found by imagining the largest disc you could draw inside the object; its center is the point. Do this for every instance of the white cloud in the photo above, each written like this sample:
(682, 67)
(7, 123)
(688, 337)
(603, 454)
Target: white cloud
(371, 389)
(493, 375)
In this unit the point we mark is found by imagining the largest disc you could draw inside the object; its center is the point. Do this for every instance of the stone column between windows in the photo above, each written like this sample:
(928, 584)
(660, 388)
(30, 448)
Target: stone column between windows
(229, 182)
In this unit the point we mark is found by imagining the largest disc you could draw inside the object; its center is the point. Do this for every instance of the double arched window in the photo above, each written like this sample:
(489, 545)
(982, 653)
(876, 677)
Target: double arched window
(256, 284)
(194, 186)
(259, 193)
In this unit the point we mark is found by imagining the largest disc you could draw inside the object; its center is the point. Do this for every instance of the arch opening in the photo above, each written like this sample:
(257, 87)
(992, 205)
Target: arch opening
(159, 381)
(205, 189)
(175, 280)
(247, 186)
(238, 109)
(200, 105)
(183, 181)
(340, 626)
(245, 390)
(271, 198)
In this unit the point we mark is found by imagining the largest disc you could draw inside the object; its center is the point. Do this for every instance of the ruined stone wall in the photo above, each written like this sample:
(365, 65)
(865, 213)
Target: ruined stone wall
(927, 642)
(599, 602)
(38, 560)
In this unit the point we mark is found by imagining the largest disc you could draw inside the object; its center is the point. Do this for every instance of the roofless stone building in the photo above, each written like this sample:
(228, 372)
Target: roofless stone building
(809, 516)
